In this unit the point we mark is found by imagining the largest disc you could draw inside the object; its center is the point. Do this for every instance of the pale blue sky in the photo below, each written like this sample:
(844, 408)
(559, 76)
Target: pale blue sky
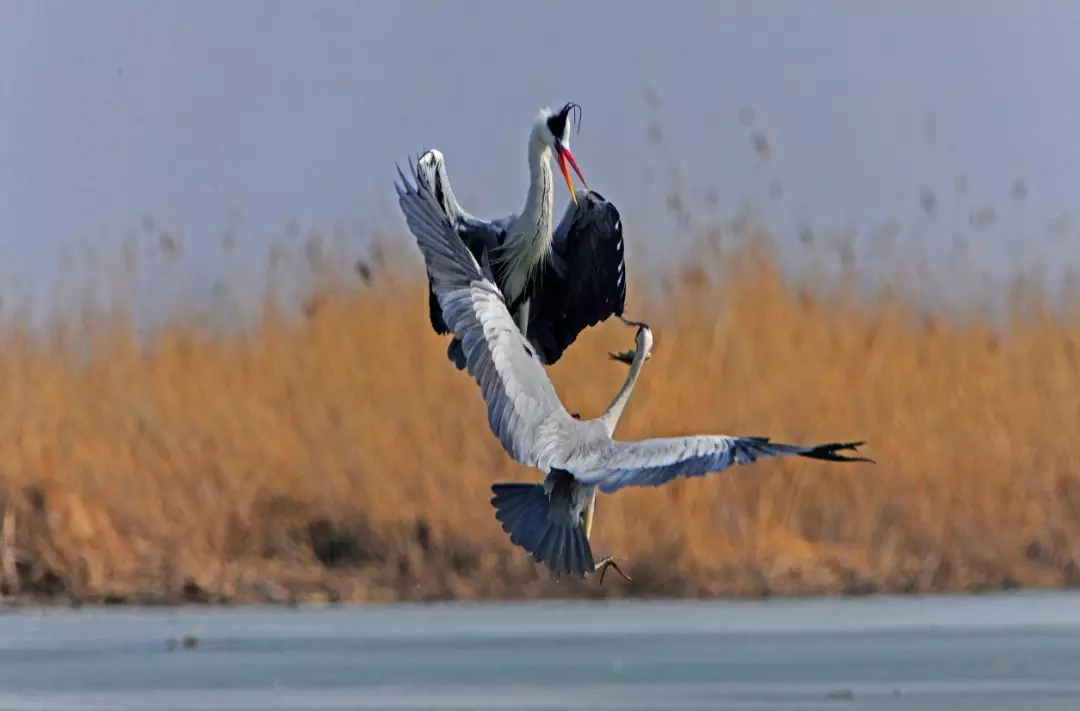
(204, 113)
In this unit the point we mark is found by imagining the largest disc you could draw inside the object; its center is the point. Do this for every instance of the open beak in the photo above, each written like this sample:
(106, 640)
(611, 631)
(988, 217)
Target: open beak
(564, 156)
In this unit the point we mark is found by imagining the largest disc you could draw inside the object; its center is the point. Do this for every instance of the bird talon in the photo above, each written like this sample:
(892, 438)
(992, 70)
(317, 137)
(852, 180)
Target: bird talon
(609, 562)
(627, 357)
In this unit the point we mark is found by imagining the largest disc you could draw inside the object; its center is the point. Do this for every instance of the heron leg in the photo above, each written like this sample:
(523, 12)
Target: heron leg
(609, 562)
(587, 517)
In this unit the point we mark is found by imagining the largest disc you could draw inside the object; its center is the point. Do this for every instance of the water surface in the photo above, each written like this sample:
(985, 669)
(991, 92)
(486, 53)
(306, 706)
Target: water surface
(996, 652)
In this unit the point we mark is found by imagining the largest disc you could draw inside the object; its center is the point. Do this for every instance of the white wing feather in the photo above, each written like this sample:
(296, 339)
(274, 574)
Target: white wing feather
(524, 411)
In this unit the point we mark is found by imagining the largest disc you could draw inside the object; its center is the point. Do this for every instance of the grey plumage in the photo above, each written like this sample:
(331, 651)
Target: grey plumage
(525, 413)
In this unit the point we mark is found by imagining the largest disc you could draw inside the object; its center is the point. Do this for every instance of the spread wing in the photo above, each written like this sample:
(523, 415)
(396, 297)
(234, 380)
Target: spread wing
(477, 234)
(654, 462)
(479, 237)
(524, 411)
(584, 280)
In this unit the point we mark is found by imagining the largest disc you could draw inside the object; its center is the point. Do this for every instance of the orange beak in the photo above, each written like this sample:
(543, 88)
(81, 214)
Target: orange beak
(564, 156)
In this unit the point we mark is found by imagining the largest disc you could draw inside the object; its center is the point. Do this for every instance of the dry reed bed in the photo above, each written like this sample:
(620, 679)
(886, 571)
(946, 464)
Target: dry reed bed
(341, 457)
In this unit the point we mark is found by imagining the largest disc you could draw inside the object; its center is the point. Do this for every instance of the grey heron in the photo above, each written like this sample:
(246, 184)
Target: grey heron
(552, 520)
(557, 279)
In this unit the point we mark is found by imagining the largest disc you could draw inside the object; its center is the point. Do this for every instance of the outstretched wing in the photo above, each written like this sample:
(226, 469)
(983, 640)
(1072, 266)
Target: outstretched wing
(654, 462)
(477, 234)
(584, 280)
(479, 237)
(524, 411)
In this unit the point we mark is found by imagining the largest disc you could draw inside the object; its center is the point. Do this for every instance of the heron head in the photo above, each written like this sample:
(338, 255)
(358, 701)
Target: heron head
(553, 129)
(643, 342)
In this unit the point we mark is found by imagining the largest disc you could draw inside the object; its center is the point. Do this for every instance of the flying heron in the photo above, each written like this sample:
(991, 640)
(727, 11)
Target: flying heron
(557, 279)
(552, 520)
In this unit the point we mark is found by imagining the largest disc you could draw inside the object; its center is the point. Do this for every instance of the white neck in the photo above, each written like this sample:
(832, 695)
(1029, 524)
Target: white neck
(610, 418)
(529, 238)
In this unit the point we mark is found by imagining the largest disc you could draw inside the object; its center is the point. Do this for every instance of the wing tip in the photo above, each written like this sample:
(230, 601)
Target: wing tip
(831, 452)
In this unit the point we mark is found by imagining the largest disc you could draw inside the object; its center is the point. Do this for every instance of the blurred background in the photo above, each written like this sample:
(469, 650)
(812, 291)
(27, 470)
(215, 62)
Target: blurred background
(843, 221)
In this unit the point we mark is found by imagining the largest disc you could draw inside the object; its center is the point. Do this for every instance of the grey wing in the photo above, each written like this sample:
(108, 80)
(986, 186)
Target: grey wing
(584, 281)
(655, 462)
(477, 234)
(479, 237)
(523, 409)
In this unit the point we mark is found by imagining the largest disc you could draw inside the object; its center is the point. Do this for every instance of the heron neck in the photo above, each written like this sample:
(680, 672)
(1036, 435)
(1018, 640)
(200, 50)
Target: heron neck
(611, 416)
(529, 238)
(539, 203)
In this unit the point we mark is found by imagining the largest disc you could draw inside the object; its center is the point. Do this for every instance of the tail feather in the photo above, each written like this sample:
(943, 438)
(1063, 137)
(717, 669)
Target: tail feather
(513, 509)
(548, 531)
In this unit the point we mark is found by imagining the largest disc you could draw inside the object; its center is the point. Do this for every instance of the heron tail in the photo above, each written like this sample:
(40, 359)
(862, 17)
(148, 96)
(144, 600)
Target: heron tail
(548, 530)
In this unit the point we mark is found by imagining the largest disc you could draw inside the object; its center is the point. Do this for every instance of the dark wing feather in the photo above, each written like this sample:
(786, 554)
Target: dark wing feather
(584, 280)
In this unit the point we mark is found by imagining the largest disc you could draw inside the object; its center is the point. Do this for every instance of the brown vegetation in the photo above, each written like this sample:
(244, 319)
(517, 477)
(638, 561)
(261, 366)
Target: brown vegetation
(338, 455)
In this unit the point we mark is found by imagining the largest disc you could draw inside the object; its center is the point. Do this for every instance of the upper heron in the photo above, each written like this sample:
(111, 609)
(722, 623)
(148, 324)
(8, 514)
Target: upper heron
(552, 520)
(557, 282)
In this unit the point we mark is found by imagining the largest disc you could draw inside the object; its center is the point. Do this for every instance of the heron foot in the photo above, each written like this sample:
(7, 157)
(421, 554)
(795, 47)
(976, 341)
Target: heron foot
(609, 562)
(627, 357)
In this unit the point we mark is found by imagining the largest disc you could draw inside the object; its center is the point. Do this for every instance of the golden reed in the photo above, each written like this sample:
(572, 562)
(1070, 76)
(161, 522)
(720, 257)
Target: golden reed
(339, 456)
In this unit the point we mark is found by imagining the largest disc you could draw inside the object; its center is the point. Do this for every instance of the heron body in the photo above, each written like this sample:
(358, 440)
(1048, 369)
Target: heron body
(558, 279)
(552, 520)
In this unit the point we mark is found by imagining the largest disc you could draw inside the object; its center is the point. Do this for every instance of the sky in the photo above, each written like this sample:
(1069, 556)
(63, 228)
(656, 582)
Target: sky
(269, 117)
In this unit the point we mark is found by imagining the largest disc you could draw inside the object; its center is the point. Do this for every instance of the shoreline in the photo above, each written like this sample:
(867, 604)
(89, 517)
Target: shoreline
(316, 585)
